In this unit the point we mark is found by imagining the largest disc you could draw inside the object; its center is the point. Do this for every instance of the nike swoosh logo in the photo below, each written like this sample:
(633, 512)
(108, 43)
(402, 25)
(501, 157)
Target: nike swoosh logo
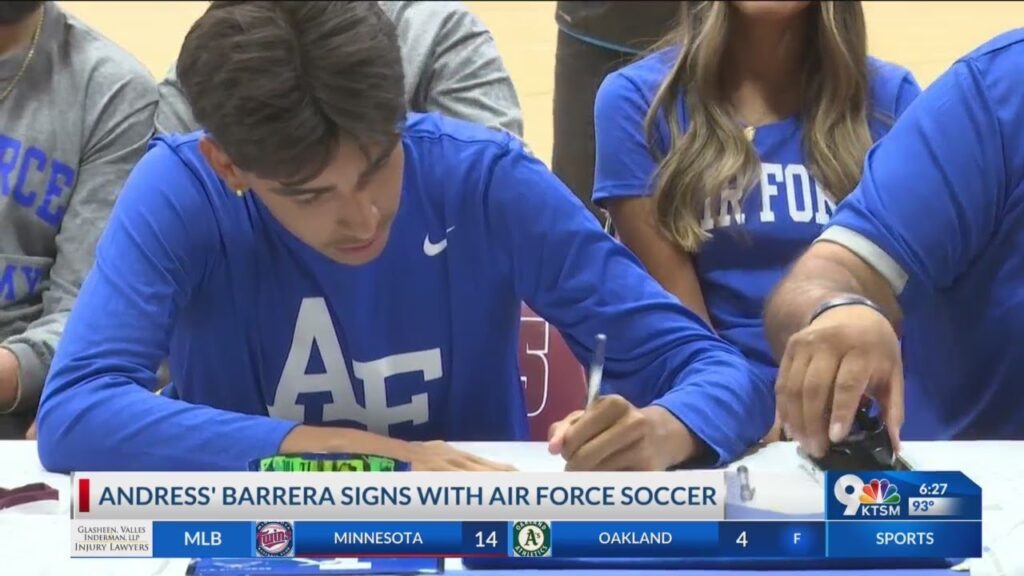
(432, 248)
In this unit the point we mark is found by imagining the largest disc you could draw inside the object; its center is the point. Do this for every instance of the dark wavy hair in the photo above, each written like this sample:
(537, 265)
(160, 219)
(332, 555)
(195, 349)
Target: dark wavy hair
(278, 85)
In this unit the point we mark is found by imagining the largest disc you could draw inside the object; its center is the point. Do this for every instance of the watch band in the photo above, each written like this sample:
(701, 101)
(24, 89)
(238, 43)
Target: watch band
(847, 300)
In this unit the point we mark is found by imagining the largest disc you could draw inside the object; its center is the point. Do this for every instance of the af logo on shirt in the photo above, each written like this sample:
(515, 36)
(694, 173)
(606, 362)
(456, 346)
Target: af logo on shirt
(330, 395)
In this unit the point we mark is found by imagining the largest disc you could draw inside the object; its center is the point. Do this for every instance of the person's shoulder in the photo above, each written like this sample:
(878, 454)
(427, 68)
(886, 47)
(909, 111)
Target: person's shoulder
(884, 73)
(1012, 41)
(419, 22)
(173, 176)
(453, 160)
(173, 191)
(428, 14)
(1000, 60)
(626, 96)
(184, 146)
(177, 163)
(468, 137)
(887, 80)
(644, 75)
(101, 61)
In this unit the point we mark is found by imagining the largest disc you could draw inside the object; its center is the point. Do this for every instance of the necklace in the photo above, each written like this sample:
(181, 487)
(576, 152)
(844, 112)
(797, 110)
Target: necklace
(28, 58)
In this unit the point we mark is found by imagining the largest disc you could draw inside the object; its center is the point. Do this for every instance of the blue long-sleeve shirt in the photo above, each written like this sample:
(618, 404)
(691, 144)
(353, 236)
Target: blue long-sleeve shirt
(263, 332)
(940, 213)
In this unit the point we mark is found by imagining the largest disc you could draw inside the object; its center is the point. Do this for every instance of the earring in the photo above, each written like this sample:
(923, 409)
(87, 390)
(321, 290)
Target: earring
(239, 192)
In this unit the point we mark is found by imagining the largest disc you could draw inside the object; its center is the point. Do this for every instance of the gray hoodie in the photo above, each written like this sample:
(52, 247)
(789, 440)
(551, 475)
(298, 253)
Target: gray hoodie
(452, 66)
(71, 130)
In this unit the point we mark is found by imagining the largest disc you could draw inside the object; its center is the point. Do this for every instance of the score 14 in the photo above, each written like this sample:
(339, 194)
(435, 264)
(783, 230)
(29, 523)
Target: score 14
(491, 540)
(485, 538)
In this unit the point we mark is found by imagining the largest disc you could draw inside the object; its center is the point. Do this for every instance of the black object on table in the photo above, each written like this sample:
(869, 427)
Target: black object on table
(867, 448)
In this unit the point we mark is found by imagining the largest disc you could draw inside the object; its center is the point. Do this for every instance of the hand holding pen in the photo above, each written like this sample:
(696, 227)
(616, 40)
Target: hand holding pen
(610, 433)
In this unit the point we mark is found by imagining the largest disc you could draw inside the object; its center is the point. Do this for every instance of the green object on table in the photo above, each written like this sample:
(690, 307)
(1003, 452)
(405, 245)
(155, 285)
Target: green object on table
(328, 463)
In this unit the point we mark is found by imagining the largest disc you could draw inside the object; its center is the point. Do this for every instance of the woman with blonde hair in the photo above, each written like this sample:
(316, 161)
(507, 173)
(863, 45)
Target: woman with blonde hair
(721, 157)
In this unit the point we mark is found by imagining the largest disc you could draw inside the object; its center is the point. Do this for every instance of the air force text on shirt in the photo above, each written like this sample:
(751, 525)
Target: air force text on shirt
(788, 187)
(21, 165)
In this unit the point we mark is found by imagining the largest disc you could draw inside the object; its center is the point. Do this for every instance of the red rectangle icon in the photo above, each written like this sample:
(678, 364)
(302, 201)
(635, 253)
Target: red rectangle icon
(83, 494)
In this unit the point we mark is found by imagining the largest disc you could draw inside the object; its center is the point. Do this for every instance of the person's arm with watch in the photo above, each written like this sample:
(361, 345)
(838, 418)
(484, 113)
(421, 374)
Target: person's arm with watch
(932, 194)
(833, 322)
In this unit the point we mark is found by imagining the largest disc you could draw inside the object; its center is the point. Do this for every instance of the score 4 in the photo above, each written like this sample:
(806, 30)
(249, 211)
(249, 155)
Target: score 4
(771, 539)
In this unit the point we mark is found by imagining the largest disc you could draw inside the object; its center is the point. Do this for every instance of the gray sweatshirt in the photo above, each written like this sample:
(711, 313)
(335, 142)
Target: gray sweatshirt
(70, 131)
(452, 66)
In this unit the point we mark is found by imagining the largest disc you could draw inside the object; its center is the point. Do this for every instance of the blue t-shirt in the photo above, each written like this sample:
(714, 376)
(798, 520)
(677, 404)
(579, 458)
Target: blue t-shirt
(420, 343)
(753, 240)
(943, 199)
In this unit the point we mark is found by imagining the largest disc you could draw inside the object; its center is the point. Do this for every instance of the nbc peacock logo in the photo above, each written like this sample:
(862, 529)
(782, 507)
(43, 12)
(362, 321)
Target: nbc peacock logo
(876, 498)
(879, 492)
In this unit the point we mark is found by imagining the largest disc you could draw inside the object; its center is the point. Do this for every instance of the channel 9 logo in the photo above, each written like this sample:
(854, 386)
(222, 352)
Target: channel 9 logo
(876, 498)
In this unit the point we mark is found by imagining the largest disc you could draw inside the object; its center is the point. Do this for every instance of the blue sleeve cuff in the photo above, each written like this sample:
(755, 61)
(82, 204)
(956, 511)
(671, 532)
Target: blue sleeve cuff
(727, 431)
(609, 191)
(721, 445)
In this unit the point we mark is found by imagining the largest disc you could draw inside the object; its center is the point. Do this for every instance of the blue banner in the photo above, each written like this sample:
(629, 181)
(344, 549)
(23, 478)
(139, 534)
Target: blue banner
(901, 496)
(379, 538)
(202, 539)
(771, 540)
(908, 539)
(861, 538)
(627, 539)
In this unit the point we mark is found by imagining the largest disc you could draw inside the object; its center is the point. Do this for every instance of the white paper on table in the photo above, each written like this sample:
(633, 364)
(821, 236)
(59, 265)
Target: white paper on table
(24, 553)
(781, 481)
(525, 456)
(997, 467)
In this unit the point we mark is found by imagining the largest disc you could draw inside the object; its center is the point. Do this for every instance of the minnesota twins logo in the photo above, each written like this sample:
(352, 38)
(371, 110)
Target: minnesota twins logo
(274, 538)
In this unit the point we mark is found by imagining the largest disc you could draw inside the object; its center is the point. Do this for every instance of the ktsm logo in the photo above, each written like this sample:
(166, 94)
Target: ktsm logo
(876, 498)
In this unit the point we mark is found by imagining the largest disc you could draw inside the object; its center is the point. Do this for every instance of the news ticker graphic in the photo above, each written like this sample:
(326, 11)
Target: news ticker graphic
(458, 496)
(527, 538)
(592, 515)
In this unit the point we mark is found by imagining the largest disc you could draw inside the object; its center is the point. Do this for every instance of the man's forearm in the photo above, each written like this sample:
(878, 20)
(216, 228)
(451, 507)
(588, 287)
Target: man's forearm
(825, 272)
(33, 351)
(10, 392)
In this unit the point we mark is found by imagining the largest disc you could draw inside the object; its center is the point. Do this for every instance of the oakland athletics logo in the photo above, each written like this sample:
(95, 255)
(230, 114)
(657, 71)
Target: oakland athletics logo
(531, 539)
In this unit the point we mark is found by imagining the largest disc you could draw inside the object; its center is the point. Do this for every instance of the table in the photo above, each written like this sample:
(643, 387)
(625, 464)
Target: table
(34, 539)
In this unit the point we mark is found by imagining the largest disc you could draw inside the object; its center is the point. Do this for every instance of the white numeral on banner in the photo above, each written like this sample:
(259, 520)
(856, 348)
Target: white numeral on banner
(742, 540)
(491, 541)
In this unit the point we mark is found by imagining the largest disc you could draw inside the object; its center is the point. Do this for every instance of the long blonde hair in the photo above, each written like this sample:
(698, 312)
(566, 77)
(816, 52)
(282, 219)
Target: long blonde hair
(713, 154)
